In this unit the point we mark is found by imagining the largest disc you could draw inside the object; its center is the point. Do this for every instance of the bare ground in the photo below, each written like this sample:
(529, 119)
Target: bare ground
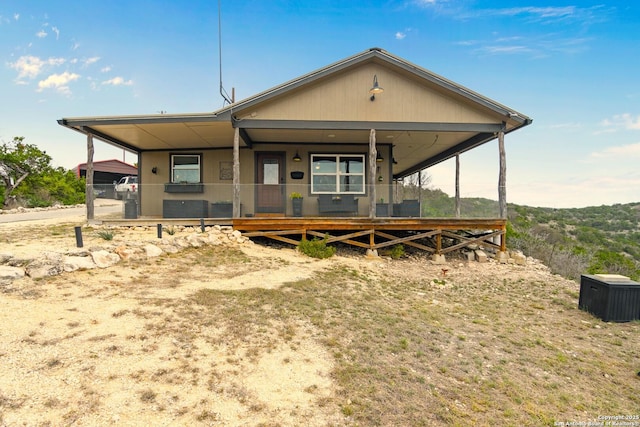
(251, 335)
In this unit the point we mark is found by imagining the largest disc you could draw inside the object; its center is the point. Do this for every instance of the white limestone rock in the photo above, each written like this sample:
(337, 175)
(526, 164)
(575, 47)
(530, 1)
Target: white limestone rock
(152, 251)
(73, 263)
(104, 259)
(11, 273)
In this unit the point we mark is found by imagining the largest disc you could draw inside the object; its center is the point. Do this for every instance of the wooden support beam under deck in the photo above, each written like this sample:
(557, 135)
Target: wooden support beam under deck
(414, 232)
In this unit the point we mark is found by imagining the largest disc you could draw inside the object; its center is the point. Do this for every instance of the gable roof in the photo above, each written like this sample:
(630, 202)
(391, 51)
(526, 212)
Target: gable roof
(423, 116)
(380, 56)
(112, 166)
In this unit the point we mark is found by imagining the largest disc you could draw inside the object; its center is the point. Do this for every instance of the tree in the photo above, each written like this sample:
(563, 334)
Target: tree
(17, 161)
(26, 173)
(413, 185)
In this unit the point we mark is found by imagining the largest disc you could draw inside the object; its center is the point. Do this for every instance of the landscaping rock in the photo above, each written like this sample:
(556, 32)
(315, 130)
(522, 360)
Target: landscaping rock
(481, 256)
(11, 273)
(104, 259)
(152, 251)
(73, 263)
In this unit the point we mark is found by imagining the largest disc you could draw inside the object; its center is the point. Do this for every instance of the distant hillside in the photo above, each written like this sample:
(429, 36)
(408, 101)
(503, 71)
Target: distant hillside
(598, 239)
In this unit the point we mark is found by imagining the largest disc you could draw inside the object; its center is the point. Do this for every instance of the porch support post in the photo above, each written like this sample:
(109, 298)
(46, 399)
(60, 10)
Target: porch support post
(457, 185)
(502, 178)
(373, 153)
(236, 172)
(89, 179)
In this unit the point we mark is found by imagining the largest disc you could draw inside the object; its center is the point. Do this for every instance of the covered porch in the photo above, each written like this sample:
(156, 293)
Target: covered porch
(341, 139)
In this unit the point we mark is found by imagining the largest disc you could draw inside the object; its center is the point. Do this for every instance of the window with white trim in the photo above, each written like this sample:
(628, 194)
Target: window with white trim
(337, 174)
(185, 168)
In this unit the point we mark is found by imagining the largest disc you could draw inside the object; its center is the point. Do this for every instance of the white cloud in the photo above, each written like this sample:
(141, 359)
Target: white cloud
(568, 125)
(41, 34)
(623, 121)
(544, 15)
(516, 49)
(400, 35)
(105, 69)
(118, 81)
(16, 16)
(32, 66)
(57, 31)
(623, 152)
(59, 82)
(541, 12)
(426, 3)
(92, 60)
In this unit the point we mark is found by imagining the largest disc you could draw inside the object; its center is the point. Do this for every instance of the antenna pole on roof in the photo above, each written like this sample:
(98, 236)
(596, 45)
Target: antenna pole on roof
(223, 92)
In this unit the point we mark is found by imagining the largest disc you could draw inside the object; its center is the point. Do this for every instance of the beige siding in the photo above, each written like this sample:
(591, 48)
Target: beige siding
(152, 193)
(215, 189)
(404, 99)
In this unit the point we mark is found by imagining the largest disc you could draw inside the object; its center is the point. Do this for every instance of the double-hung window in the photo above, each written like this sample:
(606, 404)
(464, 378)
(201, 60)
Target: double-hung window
(337, 174)
(185, 168)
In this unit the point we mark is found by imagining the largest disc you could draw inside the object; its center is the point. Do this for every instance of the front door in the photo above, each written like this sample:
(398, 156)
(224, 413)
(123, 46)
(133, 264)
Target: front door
(270, 197)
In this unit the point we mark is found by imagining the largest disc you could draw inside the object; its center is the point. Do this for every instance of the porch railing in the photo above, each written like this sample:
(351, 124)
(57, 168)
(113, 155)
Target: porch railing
(215, 200)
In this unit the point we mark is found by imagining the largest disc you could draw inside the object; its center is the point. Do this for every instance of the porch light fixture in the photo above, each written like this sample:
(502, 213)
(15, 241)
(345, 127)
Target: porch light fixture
(375, 88)
(297, 157)
(154, 170)
(379, 158)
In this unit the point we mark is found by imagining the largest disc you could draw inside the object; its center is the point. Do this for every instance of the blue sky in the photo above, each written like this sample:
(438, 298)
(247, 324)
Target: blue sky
(571, 66)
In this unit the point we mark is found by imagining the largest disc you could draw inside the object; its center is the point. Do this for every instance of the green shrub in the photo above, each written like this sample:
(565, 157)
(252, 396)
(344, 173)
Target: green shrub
(105, 234)
(316, 248)
(397, 251)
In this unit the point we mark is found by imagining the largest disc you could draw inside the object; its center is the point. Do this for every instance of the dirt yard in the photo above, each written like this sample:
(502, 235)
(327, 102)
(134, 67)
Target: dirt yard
(225, 336)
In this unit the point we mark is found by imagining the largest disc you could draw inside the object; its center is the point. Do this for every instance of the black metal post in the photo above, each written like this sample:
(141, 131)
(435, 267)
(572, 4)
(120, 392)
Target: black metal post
(159, 231)
(79, 236)
(202, 224)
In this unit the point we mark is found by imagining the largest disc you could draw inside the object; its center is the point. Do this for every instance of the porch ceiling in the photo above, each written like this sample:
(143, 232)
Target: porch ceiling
(414, 145)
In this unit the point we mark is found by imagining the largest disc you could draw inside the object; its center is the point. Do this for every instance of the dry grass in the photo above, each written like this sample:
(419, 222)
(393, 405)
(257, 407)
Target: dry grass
(410, 347)
(458, 351)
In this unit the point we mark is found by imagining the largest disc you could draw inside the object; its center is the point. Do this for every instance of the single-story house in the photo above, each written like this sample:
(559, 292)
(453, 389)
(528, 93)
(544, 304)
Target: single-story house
(339, 136)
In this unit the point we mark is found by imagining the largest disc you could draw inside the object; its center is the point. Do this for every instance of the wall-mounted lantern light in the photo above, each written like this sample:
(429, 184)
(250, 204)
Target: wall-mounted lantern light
(375, 88)
(154, 170)
(297, 157)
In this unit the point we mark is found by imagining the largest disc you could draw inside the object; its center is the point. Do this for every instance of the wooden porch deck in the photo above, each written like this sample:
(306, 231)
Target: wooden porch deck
(435, 235)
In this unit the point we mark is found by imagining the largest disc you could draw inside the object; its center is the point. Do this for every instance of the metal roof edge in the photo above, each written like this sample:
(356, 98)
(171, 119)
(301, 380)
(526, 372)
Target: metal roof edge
(137, 119)
(389, 58)
(456, 87)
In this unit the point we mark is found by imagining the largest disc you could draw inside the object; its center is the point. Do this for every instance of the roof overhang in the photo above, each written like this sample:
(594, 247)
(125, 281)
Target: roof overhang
(414, 144)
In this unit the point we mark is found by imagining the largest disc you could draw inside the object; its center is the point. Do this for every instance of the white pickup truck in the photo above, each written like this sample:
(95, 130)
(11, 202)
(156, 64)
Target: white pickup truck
(126, 187)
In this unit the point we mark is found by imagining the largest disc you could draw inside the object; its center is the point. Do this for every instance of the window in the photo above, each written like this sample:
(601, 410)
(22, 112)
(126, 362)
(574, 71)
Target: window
(185, 168)
(337, 173)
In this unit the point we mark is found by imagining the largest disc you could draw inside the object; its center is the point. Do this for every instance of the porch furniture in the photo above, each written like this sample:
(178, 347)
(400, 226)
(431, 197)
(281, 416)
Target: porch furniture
(185, 209)
(337, 204)
(296, 204)
(382, 209)
(408, 208)
(221, 210)
(611, 297)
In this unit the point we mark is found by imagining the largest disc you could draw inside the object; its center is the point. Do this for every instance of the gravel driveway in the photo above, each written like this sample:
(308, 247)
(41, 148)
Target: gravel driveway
(103, 207)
